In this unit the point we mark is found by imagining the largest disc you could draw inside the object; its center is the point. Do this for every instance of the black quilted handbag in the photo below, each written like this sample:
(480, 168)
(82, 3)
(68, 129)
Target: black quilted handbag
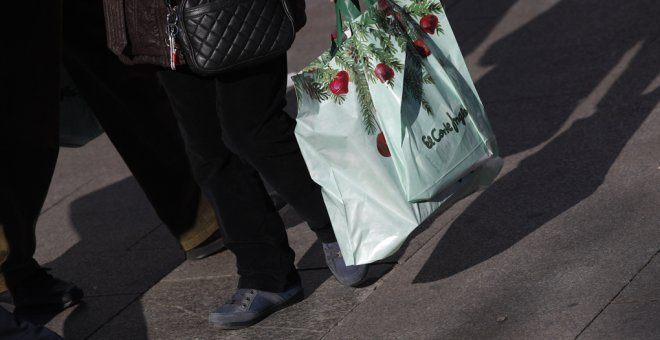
(223, 35)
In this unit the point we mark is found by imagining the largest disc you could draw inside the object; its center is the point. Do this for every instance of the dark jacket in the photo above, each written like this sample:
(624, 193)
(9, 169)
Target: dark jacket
(136, 29)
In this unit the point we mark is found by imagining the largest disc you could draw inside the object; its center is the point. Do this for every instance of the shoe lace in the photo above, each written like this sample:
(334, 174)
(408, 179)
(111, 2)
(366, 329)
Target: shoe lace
(242, 297)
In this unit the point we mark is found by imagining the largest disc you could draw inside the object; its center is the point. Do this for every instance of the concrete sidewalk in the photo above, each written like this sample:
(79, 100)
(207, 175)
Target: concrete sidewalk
(563, 245)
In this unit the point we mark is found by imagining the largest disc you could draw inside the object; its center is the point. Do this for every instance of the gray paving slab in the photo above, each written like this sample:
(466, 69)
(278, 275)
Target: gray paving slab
(77, 167)
(561, 23)
(108, 218)
(177, 308)
(635, 320)
(118, 272)
(644, 287)
(83, 320)
(157, 238)
(547, 285)
(314, 38)
(106, 211)
(635, 312)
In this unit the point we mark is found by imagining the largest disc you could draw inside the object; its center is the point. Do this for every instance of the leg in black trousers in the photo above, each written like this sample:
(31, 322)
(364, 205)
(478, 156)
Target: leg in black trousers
(134, 111)
(235, 190)
(29, 147)
(233, 126)
(29, 135)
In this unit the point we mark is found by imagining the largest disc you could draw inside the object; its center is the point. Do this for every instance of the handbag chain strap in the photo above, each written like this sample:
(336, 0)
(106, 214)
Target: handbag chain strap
(172, 20)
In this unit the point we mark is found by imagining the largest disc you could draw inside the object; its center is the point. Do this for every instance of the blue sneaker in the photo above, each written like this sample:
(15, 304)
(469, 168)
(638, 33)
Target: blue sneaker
(347, 275)
(249, 306)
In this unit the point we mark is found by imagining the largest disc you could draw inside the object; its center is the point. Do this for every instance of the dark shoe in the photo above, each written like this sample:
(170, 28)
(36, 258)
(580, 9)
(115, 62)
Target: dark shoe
(347, 275)
(249, 306)
(13, 327)
(44, 293)
(210, 246)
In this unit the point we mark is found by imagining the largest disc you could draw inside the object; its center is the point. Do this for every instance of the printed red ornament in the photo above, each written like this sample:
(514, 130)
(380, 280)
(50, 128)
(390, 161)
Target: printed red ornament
(381, 144)
(343, 75)
(339, 84)
(429, 23)
(383, 5)
(384, 72)
(399, 18)
(422, 48)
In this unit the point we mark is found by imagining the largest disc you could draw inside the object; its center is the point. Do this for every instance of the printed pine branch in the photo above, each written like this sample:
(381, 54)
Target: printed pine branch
(384, 30)
(362, 51)
(299, 92)
(384, 40)
(344, 63)
(414, 80)
(318, 63)
(338, 99)
(387, 58)
(367, 109)
(428, 79)
(423, 7)
(394, 29)
(427, 106)
(325, 75)
(313, 89)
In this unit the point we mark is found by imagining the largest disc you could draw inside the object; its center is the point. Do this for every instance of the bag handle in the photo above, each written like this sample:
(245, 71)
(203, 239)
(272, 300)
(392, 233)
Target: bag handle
(349, 9)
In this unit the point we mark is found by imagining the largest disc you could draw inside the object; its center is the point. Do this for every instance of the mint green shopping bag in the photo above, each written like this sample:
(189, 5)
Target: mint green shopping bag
(390, 124)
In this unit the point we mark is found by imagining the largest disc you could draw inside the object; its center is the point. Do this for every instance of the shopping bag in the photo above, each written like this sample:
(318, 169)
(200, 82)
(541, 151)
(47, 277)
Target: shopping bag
(390, 124)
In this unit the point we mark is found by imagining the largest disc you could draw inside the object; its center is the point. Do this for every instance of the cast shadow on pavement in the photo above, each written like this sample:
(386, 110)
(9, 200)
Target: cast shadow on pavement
(120, 256)
(123, 251)
(541, 74)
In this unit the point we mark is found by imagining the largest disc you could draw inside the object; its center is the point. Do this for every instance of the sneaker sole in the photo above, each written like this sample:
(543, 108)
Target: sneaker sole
(49, 307)
(206, 251)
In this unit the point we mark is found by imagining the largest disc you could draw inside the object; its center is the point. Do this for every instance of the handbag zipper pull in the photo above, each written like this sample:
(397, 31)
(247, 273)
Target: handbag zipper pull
(172, 31)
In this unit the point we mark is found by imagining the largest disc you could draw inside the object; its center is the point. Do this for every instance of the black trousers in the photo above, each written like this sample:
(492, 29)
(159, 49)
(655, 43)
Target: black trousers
(29, 143)
(133, 109)
(129, 103)
(234, 126)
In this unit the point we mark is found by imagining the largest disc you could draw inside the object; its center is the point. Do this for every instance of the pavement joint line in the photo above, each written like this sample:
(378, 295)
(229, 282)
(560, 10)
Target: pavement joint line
(115, 251)
(309, 269)
(617, 294)
(185, 310)
(364, 298)
(65, 197)
(108, 295)
(145, 236)
(633, 302)
(287, 328)
(536, 97)
(112, 317)
(196, 278)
